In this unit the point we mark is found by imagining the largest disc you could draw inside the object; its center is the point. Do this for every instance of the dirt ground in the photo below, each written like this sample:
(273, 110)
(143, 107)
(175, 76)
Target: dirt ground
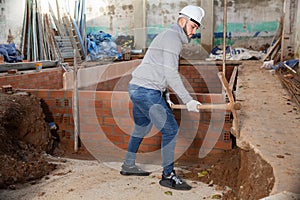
(29, 171)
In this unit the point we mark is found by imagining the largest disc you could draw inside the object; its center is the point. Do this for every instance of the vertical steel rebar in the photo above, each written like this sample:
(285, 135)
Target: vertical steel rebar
(224, 35)
(75, 105)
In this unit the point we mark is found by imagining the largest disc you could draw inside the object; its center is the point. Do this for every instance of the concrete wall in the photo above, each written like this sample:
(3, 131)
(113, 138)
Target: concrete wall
(250, 23)
(297, 37)
(252, 19)
(11, 17)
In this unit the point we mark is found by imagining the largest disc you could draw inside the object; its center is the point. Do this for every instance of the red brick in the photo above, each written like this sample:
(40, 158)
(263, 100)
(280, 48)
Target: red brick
(126, 121)
(107, 129)
(108, 121)
(94, 137)
(119, 96)
(223, 145)
(205, 116)
(56, 93)
(86, 95)
(105, 112)
(179, 150)
(85, 111)
(147, 148)
(103, 95)
(89, 128)
(151, 140)
(126, 138)
(116, 139)
(118, 130)
(98, 104)
(123, 146)
(107, 104)
(43, 93)
(69, 94)
(83, 103)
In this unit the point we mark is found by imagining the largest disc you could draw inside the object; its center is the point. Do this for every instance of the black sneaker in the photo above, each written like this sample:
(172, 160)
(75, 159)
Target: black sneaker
(174, 182)
(133, 170)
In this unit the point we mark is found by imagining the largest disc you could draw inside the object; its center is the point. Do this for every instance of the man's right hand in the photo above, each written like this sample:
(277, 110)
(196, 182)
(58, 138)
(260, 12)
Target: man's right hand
(192, 106)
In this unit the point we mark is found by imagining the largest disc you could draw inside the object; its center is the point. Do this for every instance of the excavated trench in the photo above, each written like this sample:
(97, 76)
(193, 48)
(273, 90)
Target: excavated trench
(246, 174)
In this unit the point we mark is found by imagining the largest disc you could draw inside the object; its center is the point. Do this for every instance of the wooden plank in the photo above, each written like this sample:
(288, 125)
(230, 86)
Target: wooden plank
(81, 43)
(50, 39)
(272, 49)
(237, 106)
(235, 124)
(233, 77)
(24, 28)
(283, 31)
(224, 35)
(66, 20)
(46, 40)
(82, 27)
(40, 32)
(56, 22)
(76, 106)
(28, 47)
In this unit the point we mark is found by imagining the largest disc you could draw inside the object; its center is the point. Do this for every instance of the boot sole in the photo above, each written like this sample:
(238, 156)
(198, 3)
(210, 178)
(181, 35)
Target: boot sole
(134, 174)
(164, 184)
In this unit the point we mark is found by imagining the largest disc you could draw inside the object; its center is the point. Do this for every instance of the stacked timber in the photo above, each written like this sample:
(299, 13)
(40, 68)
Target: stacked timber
(48, 36)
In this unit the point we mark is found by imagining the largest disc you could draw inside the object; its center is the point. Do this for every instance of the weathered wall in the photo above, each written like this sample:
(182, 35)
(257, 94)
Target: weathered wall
(250, 23)
(251, 19)
(255, 19)
(112, 16)
(297, 38)
(11, 17)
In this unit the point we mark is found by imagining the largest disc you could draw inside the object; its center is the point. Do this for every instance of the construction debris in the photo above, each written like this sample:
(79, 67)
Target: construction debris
(101, 45)
(288, 73)
(47, 36)
(235, 54)
(291, 83)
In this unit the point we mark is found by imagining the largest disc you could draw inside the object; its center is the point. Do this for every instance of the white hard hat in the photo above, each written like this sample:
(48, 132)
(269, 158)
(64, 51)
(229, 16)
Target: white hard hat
(194, 13)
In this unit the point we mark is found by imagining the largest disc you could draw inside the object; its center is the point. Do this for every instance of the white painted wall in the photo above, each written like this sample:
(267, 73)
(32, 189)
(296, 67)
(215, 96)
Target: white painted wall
(297, 38)
(116, 17)
(11, 17)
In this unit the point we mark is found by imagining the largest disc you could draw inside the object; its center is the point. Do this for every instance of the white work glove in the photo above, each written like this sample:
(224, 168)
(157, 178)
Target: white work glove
(169, 100)
(192, 106)
(170, 103)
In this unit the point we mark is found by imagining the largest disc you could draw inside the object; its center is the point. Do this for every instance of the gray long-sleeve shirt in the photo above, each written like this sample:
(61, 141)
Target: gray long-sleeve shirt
(159, 68)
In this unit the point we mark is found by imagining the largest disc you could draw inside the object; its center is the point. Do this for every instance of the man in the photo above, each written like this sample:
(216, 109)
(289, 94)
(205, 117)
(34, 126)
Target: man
(159, 70)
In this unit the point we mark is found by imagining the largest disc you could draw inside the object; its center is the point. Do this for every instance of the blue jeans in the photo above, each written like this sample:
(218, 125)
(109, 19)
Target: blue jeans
(150, 108)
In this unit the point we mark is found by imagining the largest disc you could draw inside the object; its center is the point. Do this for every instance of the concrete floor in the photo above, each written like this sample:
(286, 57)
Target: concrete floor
(269, 124)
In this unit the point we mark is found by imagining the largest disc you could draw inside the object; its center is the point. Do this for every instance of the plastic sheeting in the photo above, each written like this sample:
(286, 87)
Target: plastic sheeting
(10, 53)
(100, 45)
(234, 54)
(290, 63)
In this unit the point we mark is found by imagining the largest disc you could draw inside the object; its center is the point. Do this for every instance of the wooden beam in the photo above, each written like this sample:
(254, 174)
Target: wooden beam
(207, 34)
(140, 23)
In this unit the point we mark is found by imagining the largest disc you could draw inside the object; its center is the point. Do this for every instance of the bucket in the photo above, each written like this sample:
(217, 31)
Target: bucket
(38, 66)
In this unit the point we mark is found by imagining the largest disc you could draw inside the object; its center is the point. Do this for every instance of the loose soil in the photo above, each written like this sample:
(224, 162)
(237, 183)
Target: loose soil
(24, 139)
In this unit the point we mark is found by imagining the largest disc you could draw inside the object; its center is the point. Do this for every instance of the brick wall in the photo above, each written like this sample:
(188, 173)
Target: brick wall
(197, 79)
(106, 119)
(45, 79)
